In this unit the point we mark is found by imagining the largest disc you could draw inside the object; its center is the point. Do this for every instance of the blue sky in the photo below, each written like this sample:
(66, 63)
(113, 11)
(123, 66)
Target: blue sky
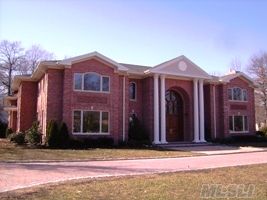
(148, 32)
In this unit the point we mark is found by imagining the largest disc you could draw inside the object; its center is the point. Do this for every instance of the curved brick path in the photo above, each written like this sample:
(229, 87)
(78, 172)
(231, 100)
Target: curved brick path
(21, 175)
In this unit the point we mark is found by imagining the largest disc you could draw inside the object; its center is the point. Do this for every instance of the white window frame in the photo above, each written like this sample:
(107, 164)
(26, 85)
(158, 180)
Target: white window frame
(243, 120)
(94, 91)
(242, 94)
(132, 82)
(100, 123)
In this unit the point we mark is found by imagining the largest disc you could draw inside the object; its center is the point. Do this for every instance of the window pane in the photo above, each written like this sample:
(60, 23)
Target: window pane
(231, 123)
(91, 122)
(132, 91)
(230, 94)
(238, 123)
(245, 95)
(237, 92)
(77, 121)
(78, 81)
(104, 122)
(246, 123)
(92, 82)
(105, 84)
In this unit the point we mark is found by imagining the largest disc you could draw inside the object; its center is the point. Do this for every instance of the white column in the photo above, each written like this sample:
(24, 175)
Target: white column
(156, 109)
(162, 110)
(201, 111)
(196, 122)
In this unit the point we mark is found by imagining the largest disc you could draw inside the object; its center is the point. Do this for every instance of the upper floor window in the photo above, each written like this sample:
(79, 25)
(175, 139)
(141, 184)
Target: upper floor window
(132, 91)
(237, 94)
(91, 82)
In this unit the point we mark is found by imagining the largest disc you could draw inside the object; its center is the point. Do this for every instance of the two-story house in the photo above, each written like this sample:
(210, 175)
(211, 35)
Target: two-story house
(95, 96)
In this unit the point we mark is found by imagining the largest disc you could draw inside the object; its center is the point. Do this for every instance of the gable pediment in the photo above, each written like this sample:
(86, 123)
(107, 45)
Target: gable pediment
(180, 66)
(94, 55)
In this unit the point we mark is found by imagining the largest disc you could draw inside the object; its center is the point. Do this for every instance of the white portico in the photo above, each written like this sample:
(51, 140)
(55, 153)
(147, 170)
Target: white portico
(178, 68)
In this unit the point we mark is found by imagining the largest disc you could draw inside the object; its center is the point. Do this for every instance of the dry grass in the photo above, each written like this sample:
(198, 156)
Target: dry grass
(9, 152)
(181, 185)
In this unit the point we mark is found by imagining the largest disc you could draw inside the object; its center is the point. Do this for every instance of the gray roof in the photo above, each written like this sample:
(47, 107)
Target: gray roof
(138, 69)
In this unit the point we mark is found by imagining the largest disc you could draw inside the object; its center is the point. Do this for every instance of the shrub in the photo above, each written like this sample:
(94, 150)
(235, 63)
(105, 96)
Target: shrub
(263, 130)
(33, 135)
(137, 132)
(3, 127)
(91, 143)
(64, 138)
(18, 138)
(52, 134)
(9, 131)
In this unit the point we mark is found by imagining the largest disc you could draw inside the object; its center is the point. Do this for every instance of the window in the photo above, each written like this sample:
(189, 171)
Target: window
(77, 121)
(132, 91)
(91, 82)
(237, 94)
(238, 123)
(78, 81)
(90, 122)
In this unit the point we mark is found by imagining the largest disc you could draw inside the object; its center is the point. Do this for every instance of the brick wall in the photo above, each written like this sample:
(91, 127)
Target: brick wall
(242, 108)
(148, 105)
(83, 100)
(27, 101)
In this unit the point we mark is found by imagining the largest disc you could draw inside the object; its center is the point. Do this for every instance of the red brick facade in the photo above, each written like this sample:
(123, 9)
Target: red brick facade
(53, 97)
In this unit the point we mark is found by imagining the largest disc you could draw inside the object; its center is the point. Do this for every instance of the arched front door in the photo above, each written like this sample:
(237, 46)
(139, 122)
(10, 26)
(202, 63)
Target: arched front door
(174, 116)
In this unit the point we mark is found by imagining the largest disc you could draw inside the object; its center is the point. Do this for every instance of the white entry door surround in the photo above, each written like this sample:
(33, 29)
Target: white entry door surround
(180, 67)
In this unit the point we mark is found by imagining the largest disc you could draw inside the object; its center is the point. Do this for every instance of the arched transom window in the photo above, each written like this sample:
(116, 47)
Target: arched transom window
(237, 94)
(91, 82)
(173, 102)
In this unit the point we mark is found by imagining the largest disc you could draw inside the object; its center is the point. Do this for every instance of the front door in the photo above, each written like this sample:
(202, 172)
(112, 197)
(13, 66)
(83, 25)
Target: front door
(174, 117)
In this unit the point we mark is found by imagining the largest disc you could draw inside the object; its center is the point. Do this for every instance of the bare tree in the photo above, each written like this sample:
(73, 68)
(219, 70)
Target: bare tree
(15, 60)
(33, 56)
(236, 65)
(258, 69)
(11, 55)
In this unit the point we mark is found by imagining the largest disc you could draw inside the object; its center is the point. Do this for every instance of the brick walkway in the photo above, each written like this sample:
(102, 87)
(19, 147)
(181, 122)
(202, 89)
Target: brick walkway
(21, 175)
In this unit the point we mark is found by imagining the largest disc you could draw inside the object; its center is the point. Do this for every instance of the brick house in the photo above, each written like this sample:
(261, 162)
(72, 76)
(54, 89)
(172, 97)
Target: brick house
(96, 96)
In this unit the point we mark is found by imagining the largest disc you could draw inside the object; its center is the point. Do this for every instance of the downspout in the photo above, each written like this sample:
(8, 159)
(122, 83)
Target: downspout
(123, 110)
(214, 112)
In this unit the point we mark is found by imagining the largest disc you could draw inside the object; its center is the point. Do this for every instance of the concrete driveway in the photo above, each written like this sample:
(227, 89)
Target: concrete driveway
(22, 175)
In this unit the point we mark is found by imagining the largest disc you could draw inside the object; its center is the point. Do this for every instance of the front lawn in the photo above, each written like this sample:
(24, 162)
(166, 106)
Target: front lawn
(236, 182)
(10, 152)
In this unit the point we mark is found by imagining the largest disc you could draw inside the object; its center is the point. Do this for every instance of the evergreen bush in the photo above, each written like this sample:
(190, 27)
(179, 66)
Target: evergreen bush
(33, 135)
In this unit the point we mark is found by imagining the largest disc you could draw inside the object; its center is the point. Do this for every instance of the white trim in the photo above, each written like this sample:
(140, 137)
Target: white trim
(159, 69)
(156, 109)
(88, 56)
(163, 110)
(201, 112)
(196, 113)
